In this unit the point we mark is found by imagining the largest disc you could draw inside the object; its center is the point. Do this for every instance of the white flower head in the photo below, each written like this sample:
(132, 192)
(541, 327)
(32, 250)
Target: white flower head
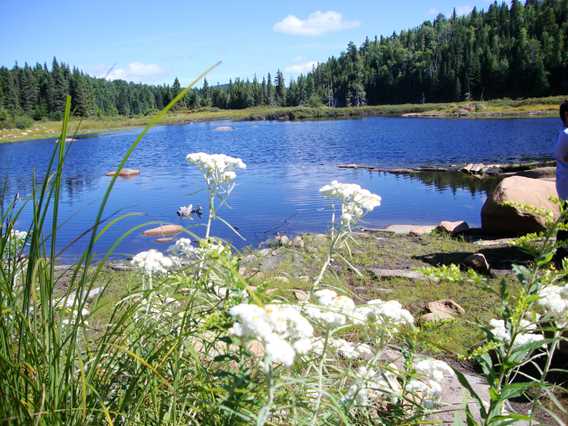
(152, 262)
(332, 309)
(219, 170)
(355, 201)
(554, 301)
(501, 333)
(279, 327)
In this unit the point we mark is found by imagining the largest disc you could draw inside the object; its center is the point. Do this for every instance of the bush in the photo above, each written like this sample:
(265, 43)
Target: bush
(23, 122)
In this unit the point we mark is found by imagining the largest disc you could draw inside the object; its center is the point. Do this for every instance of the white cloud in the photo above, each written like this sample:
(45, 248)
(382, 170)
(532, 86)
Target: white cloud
(317, 23)
(134, 71)
(300, 68)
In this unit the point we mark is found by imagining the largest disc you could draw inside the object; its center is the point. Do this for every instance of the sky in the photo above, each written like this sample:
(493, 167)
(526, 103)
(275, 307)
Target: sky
(155, 41)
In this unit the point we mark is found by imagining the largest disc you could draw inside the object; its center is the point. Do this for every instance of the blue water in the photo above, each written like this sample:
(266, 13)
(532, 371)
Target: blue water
(287, 164)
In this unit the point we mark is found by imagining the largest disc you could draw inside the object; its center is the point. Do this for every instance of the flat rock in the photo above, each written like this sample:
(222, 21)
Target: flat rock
(539, 173)
(164, 240)
(410, 229)
(447, 305)
(397, 273)
(125, 173)
(164, 231)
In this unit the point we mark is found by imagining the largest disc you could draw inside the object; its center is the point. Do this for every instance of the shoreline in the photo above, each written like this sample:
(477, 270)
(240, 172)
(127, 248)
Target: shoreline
(495, 109)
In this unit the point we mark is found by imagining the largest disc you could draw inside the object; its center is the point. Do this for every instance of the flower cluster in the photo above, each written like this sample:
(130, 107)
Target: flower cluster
(219, 170)
(501, 333)
(335, 311)
(371, 385)
(281, 328)
(426, 387)
(554, 300)
(355, 201)
(152, 262)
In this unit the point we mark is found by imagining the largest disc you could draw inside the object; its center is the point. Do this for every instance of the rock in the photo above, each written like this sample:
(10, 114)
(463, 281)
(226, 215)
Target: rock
(223, 129)
(452, 228)
(164, 231)
(446, 305)
(125, 173)
(498, 218)
(421, 230)
(121, 267)
(478, 262)
(410, 229)
(298, 242)
(282, 240)
(396, 273)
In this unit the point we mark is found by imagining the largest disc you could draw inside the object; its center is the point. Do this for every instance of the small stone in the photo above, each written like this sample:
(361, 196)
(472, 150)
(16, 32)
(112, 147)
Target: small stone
(256, 348)
(452, 228)
(478, 262)
(396, 273)
(282, 240)
(282, 280)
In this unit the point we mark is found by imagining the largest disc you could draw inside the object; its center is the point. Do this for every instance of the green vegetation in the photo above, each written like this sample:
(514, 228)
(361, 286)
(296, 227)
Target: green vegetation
(507, 51)
(505, 108)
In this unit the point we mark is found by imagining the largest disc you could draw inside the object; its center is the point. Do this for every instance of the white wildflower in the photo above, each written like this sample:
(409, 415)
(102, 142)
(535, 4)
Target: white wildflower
(219, 170)
(371, 386)
(280, 327)
(350, 350)
(355, 201)
(500, 332)
(389, 313)
(430, 378)
(332, 310)
(554, 301)
(152, 262)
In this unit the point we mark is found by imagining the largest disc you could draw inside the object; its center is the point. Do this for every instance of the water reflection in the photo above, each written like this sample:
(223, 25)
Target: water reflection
(453, 182)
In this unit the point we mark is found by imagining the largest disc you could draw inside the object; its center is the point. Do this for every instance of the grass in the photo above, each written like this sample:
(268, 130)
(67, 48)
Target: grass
(505, 108)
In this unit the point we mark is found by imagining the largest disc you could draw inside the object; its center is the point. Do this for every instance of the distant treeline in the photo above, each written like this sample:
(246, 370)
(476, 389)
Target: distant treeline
(516, 50)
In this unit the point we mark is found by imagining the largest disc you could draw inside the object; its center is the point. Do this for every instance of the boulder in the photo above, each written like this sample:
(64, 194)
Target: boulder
(477, 262)
(164, 231)
(125, 173)
(498, 218)
(452, 228)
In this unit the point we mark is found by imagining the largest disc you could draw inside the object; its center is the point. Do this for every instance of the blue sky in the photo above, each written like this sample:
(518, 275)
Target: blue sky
(154, 41)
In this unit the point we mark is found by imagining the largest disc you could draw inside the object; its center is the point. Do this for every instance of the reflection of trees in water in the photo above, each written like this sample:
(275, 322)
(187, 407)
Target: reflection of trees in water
(444, 181)
(72, 185)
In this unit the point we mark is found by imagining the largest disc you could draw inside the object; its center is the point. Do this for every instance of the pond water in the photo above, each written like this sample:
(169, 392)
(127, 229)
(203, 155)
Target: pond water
(287, 164)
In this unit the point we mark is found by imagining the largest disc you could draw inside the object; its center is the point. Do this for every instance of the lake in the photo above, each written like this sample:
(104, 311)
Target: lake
(287, 164)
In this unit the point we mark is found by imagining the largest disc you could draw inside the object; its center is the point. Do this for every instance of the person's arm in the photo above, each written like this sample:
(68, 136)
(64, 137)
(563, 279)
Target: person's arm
(561, 149)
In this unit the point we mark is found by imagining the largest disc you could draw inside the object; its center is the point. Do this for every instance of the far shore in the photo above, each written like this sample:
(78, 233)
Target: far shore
(501, 108)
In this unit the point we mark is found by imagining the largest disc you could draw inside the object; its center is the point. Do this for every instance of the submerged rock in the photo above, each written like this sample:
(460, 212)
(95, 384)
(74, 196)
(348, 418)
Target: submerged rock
(125, 173)
(501, 214)
(223, 129)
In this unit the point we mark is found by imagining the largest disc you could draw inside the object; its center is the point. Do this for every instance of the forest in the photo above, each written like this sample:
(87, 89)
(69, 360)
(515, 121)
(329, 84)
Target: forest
(508, 50)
